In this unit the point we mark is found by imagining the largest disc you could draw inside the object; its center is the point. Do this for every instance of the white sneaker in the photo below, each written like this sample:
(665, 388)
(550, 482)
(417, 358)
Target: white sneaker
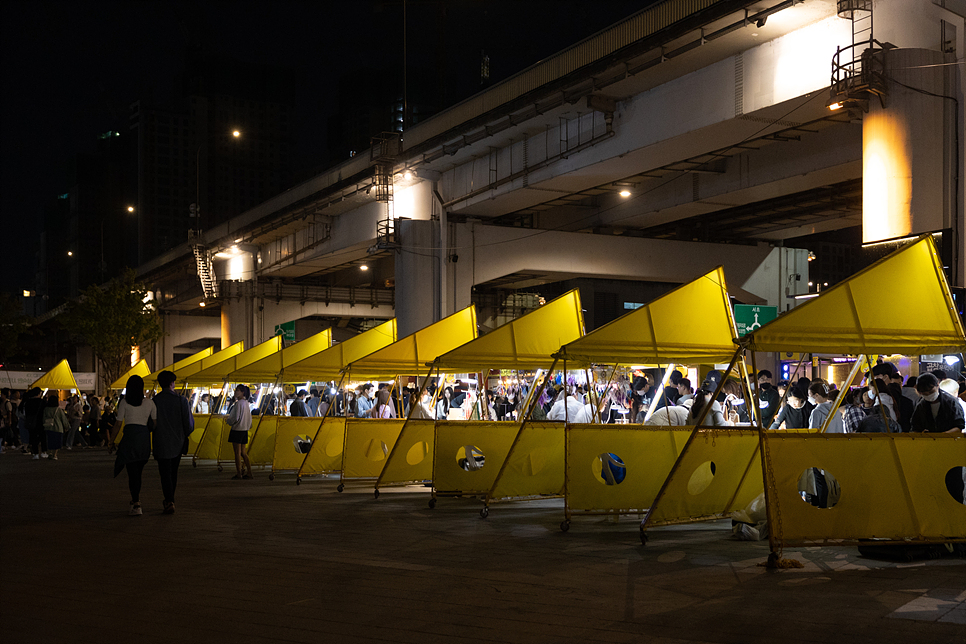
(44, 455)
(36, 457)
(135, 510)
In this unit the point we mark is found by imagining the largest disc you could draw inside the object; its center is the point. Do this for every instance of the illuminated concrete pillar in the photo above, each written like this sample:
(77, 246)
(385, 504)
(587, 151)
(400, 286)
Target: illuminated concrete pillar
(908, 174)
(237, 264)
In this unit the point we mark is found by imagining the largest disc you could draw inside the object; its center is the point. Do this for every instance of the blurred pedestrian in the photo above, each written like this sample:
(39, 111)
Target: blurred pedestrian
(33, 413)
(55, 424)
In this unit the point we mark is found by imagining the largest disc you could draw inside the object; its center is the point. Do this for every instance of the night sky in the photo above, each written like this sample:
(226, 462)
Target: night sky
(71, 69)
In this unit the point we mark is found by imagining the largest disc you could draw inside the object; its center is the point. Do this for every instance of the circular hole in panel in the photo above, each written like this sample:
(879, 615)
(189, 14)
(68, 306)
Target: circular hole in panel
(608, 468)
(701, 478)
(417, 453)
(819, 488)
(334, 447)
(955, 482)
(470, 458)
(375, 450)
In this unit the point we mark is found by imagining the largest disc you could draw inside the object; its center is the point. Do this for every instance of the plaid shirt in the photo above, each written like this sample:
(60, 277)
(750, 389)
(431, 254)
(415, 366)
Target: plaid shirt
(852, 416)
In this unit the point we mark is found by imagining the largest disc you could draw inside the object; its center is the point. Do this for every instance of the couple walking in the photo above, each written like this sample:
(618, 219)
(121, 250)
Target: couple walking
(169, 419)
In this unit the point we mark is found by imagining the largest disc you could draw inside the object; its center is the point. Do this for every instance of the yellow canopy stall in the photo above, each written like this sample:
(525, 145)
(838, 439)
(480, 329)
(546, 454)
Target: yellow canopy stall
(140, 369)
(186, 372)
(60, 377)
(152, 379)
(406, 356)
(328, 364)
(219, 371)
(527, 342)
(692, 324)
(900, 304)
(269, 368)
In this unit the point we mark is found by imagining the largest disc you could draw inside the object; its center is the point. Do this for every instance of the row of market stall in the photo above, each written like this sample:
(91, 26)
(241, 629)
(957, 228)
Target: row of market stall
(891, 485)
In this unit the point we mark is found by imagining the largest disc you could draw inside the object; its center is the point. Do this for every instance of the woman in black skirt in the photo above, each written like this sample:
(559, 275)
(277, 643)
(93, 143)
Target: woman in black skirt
(138, 416)
(240, 421)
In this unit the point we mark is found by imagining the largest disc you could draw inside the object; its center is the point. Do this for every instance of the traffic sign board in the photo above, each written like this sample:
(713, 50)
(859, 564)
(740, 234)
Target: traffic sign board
(286, 330)
(749, 317)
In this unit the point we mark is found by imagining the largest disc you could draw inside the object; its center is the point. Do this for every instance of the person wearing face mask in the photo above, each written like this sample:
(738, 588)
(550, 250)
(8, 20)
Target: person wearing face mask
(821, 398)
(936, 410)
(792, 415)
(715, 416)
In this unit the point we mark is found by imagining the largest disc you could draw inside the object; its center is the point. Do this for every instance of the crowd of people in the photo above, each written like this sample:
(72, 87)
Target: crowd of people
(30, 424)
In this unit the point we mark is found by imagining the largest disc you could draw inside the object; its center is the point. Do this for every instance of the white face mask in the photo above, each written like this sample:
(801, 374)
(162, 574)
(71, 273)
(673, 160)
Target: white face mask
(933, 397)
(811, 399)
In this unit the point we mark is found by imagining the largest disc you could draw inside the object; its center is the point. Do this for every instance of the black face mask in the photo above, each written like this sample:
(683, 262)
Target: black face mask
(765, 385)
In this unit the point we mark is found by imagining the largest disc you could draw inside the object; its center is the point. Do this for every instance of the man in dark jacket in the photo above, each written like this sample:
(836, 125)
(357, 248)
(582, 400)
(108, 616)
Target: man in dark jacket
(33, 412)
(936, 410)
(175, 423)
(298, 408)
(768, 398)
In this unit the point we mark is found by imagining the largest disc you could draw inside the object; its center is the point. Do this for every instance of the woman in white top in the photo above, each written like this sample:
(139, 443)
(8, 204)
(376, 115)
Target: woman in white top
(138, 416)
(820, 396)
(240, 421)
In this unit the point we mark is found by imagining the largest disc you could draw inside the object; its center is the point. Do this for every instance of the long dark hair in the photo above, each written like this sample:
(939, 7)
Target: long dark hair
(134, 391)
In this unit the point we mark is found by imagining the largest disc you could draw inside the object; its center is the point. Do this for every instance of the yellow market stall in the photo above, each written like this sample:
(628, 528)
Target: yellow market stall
(892, 486)
(60, 377)
(140, 369)
(185, 369)
(468, 455)
(367, 441)
(212, 444)
(692, 324)
(151, 380)
(294, 435)
(270, 370)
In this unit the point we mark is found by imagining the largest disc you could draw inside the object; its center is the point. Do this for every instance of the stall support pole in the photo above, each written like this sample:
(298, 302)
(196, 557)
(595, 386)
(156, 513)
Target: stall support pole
(840, 397)
(774, 521)
(526, 416)
(328, 412)
(261, 410)
(194, 457)
(660, 392)
(697, 427)
(412, 408)
(610, 380)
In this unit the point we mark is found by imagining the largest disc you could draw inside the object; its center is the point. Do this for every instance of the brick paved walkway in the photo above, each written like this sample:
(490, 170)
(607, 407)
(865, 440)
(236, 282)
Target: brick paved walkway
(261, 561)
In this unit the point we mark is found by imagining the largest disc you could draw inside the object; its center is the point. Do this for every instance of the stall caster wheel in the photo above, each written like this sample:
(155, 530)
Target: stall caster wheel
(340, 488)
(375, 493)
(220, 468)
(298, 481)
(564, 526)
(432, 503)
(485, 512)
(194, 463)
(643, 538)
(271, 477)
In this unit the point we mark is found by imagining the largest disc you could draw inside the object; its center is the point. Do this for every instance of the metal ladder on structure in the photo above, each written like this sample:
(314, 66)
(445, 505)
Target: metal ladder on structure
(382, 154)
(206, 270)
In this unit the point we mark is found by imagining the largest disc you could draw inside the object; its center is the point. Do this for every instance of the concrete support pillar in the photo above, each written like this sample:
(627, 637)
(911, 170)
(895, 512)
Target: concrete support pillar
(906, 185)
(417, 275)
(236, 322)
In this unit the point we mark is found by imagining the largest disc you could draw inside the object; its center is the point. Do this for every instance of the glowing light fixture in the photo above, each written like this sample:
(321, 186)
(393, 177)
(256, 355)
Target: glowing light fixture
(236, 134)
(625, 193)
(407, 175)
(130, 208)
(70, 253)
(363, 268)
(837, 105)
(202, 305)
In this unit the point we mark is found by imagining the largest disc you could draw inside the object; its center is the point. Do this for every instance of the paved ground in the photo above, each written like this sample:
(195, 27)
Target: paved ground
(261, 561)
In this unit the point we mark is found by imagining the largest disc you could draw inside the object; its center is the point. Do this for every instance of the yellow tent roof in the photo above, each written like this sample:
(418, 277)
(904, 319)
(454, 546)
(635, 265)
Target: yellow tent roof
(410, 355)
(60, 377)
(219, 371)
(268, 368)
(151, 380)
(528, 342)
(186, 374)
(692, 324)
(328, 364)
(140, 369)
(900, 304)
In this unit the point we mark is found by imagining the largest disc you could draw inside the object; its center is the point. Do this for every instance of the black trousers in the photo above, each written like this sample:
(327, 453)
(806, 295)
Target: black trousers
(168, 469)
(134, 471)
(38, 440)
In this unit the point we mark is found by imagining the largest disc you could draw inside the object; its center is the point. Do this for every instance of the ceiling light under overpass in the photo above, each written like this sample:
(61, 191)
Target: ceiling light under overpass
(625, 193)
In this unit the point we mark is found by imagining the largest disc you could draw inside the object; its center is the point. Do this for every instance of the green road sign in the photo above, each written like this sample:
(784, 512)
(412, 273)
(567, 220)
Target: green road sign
(286, 330)
(749, 317)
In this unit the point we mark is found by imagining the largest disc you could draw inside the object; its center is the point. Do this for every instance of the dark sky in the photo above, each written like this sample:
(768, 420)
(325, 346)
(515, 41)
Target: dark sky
(71, 69)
